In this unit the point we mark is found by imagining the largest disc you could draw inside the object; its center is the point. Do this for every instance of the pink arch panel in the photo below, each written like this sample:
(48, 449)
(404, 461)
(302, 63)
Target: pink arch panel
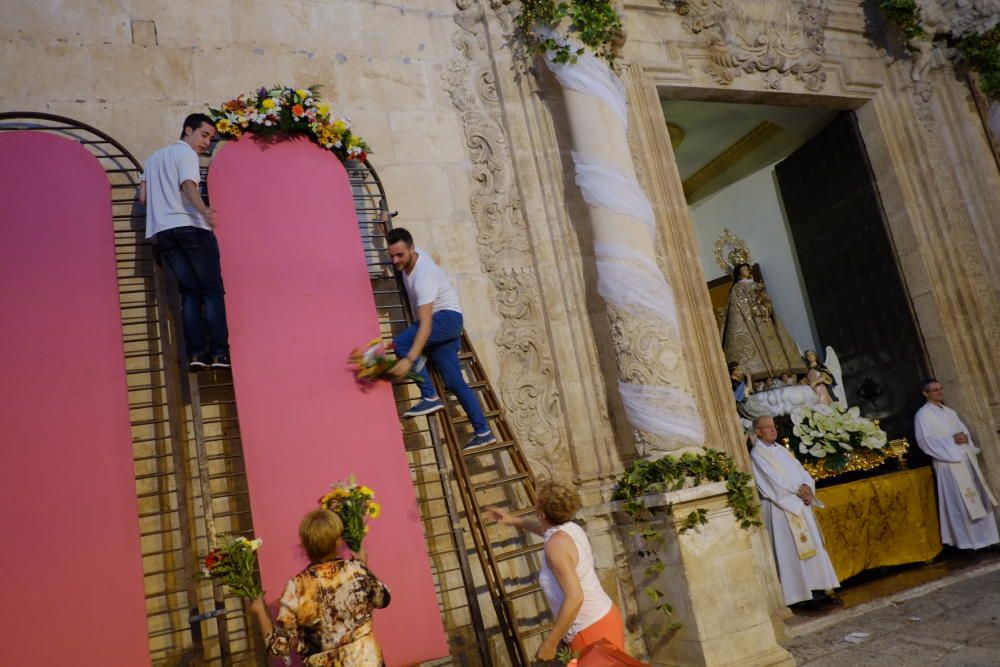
(299, 300)
(70, 568)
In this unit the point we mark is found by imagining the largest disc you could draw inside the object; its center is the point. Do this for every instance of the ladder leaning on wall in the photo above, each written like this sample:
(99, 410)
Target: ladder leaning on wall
(191, 482)
(497, 474)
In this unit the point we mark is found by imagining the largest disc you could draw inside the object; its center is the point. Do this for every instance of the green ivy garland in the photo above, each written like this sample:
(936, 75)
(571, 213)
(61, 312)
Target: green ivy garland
(979, 52)
(905, 14)
(671, 473)
(594, 23)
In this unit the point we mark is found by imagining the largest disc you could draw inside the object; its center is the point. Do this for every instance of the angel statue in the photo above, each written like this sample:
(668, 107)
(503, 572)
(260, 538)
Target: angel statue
(825, 377)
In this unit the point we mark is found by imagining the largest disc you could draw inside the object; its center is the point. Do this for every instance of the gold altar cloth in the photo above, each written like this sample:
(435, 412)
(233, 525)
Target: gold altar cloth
(886, 520)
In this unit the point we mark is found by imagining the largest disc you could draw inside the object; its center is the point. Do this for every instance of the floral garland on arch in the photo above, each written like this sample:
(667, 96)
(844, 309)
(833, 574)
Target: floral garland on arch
(284, 110)
(831, 434)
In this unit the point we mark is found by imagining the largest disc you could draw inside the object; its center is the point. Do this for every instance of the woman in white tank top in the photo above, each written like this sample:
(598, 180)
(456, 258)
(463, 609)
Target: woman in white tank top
(584, 614)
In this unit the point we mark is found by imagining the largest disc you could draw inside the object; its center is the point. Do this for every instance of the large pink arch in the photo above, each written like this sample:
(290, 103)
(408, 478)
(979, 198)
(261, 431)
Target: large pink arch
(298, 300)
(71, 564)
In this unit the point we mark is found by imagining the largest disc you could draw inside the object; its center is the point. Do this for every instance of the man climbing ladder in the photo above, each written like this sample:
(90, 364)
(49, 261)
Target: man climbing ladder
(437, 331)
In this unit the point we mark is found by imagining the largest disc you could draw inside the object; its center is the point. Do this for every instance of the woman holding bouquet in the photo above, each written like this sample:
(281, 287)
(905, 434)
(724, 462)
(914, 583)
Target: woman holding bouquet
(325, 613)
(584, 614)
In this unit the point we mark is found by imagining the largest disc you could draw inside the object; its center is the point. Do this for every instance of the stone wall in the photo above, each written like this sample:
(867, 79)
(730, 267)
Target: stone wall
(135, 68)
(472, 145)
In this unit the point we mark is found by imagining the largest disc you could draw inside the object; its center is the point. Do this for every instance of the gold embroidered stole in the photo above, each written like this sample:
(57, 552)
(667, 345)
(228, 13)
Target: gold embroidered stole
(804, 544)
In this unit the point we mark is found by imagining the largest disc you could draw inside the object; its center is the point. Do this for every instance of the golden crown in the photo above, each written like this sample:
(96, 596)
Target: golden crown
(731, 251)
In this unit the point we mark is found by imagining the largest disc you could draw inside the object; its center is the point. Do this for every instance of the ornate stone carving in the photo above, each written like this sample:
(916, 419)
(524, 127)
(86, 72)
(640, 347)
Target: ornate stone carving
(775, 38)
(527, 380)
(650, 355)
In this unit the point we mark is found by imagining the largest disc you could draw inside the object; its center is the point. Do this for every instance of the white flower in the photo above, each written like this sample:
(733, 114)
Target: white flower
(818, 451)
(255, 544)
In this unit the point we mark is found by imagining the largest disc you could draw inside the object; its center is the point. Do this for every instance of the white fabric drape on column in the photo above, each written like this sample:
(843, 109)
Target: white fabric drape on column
(628, 277)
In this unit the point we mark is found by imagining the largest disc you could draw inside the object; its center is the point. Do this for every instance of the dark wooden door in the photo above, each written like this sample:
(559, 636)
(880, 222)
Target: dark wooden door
(859, 303)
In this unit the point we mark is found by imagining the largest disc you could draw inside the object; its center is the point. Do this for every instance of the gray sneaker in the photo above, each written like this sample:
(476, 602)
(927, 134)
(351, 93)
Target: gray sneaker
(480, 440)
(426, 406)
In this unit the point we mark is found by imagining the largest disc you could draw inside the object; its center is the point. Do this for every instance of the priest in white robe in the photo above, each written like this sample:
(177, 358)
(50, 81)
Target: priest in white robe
(787, 494)
(965, 501)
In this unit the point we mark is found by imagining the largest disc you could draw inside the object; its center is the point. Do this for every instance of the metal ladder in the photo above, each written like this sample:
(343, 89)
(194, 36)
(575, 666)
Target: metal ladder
(191, 484)
(496, 474)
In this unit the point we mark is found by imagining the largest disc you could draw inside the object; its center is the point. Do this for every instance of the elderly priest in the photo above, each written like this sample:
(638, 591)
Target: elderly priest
(965, 502)
(787, 493)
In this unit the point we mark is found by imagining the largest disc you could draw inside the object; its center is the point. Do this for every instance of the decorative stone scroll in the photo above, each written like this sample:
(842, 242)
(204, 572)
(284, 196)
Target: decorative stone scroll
(527, 381)
(776, 38)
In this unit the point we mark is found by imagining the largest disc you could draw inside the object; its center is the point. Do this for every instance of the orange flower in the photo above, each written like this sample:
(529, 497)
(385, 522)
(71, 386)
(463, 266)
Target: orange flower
(297, 110)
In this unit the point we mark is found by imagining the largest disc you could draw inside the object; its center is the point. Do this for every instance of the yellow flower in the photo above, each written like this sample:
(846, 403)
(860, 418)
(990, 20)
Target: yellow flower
(323, 109)
(368, 492)
(339, 126)
(374, 509)
(303, 94)
(268, 103)
(223, 126)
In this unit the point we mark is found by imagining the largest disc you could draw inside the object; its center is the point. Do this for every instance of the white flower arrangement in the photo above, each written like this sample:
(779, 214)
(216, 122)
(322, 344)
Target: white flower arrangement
(830, 433)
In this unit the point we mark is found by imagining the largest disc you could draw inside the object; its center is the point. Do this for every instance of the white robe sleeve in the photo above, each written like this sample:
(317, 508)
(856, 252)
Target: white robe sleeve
(776, 487)
(971, 447)
(940, 448)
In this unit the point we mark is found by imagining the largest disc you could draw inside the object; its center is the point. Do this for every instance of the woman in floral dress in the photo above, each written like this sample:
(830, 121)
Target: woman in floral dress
(325, 613)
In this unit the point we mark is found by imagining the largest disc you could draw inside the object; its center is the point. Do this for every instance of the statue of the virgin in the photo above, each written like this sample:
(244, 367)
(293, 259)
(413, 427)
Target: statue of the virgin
(751, 334)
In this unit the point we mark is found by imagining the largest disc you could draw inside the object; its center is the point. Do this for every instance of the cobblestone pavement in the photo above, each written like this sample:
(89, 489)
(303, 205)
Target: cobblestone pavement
(955, 624)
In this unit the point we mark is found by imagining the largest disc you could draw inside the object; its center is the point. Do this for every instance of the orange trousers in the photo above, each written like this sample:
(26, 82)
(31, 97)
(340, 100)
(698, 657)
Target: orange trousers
(608, 627)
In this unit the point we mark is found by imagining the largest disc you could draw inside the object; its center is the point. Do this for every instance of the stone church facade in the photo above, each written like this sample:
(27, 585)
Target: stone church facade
(471, 141)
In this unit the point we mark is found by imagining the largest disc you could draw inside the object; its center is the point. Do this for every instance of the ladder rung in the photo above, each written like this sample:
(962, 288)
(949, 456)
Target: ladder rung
(517, 553)
(486, 449)
(500, 481)
(536, 631)
(521, 592)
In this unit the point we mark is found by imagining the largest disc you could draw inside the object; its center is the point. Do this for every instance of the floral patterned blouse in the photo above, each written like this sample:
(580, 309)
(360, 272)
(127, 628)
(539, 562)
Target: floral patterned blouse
(325, 614)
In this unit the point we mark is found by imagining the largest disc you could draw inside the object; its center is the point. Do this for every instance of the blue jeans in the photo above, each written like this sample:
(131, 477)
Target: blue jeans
(442, 349)
(193, 256)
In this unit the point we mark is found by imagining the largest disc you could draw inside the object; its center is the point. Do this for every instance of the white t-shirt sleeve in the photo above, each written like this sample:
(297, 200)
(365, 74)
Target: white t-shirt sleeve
(188, 168)
(425, 287)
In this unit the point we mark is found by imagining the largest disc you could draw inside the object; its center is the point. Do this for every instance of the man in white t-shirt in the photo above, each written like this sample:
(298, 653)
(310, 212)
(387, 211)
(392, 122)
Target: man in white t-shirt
(437, 332)
(180, 225)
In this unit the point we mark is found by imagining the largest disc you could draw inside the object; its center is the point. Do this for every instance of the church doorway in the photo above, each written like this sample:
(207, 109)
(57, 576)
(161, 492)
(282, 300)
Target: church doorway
(789, 192)
(792, 189)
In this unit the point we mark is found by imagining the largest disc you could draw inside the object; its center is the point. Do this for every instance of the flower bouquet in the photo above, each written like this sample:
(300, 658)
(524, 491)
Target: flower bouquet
(268, 112)
(831, 434)
(353, 503)
(371, 363)
(234, 562)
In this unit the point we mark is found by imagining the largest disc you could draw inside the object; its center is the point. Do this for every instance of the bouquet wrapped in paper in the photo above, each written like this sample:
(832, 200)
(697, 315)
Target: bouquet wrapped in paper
(354, 504)
(372, 363)
(233, 562)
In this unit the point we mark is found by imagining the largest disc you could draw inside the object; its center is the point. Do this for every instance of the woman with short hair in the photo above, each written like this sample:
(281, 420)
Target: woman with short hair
(584, 614)
(325, 613)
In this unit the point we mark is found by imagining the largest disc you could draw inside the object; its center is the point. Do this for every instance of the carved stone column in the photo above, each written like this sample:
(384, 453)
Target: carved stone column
(653, 374)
